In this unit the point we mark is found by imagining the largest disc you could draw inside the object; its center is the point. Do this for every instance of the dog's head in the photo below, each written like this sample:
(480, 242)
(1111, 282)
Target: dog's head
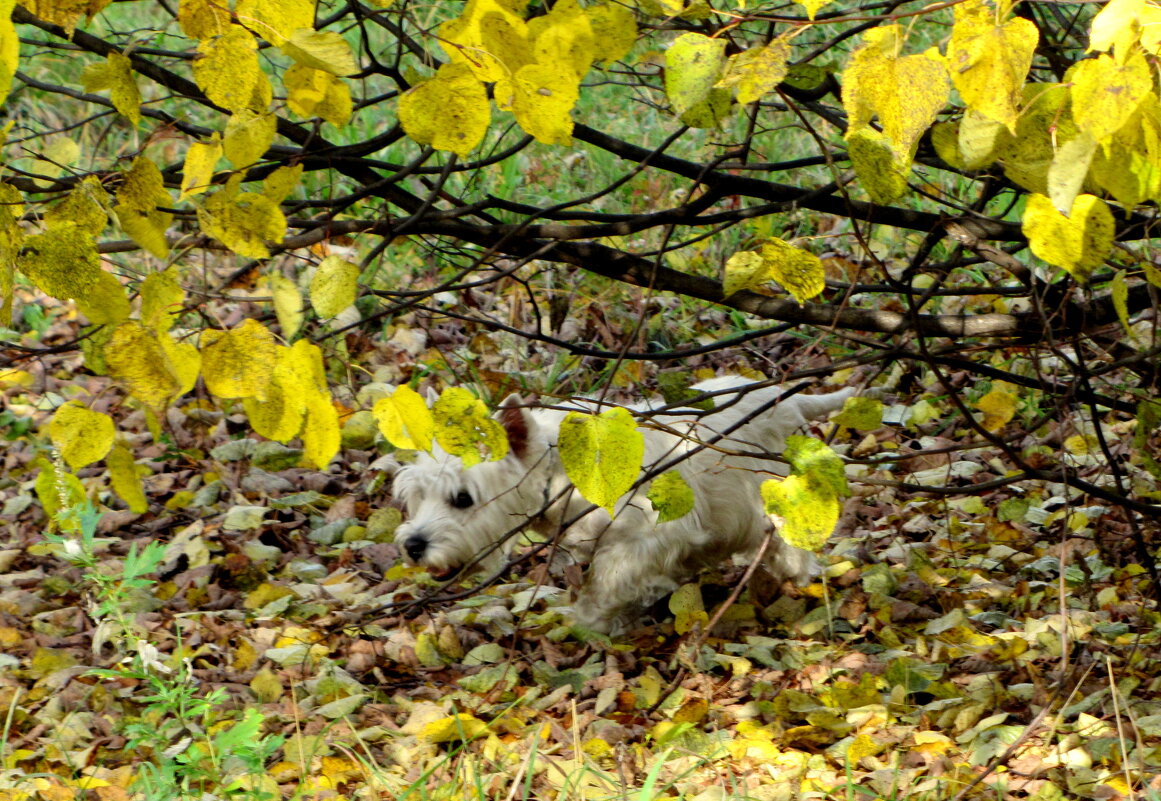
(466, 516)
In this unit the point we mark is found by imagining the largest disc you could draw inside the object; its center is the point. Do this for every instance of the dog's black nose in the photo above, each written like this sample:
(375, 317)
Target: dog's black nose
(415, 545)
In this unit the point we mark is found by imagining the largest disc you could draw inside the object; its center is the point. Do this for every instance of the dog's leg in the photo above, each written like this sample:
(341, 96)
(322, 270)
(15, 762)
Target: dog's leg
(635, 563)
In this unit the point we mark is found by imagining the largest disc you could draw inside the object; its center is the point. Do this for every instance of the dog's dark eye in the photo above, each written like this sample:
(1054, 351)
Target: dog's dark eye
(462, 500)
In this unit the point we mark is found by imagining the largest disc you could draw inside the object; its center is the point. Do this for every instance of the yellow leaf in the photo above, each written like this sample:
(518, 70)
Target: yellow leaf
(809, 500)
(1027, 156)
(693, 65)
(688, 608)
(799, 271)
(276, 20)
(65, 14)
(239, 363)
(863, 745)
(243, 222)
(405, 420)
(266, 686)
(314, 93)
(1119, 289)
(136, 357)
(489, 38)
(334, 286)
(978, 139)
(988, 61)
(671, 496)
(106, 302)
(1077, 243)
(563, 38)
(227, 69)
(86, 207)
(203, 19)
(200, 161)
(862, 413)
(248, 136)
(881, 170)
(9, 48)
(463, 427)
(1128, 166)
(998, 406)
(138, 199)
(456, 728)
(756, 71)
(602, 454)
(448, 112)
(279, 417)
(183, 360)
(82, 435)
(1118, 23)
(161, 299)
(279, 184)
(62, 262)
(906, 93)
(614, 31)
(287, 304)
(59, 153)
(116, 75)
(1069, 168)
(812, 6)
(125, 479)
(321, 50)
(1105, 94)
(305, 360)
(542, 98)
(321, 433)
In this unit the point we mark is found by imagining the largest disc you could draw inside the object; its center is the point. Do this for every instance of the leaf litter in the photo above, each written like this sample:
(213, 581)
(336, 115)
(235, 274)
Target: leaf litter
(958, 648)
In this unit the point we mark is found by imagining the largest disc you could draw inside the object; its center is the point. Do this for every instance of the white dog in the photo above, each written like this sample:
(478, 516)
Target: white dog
(466, 516)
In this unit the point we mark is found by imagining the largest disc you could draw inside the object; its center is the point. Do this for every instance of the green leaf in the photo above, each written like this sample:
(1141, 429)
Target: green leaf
(809, 500)
(464, 428)
(405, 420)
(602, 454)
(671, 496)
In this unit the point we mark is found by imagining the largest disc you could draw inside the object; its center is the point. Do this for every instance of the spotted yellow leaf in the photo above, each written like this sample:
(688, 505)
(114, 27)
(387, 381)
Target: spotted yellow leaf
(227, 69)
(988, 60)
(449, 111)
(334, 286)
(1105, 93)
(405, 420)
(238, 363)
(248, 136)
(809, 500)
(116, 75)
(602, 454)
(275, 20)
(201, 160)
(464, 428)
(1078, 243)
(62, 262)
(82, 435)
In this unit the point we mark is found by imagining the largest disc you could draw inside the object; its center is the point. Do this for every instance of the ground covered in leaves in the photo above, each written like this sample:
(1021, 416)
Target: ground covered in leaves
(986, 645)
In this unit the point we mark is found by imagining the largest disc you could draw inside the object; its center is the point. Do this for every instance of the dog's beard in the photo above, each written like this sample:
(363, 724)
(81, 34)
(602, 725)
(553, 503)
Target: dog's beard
(462, 540)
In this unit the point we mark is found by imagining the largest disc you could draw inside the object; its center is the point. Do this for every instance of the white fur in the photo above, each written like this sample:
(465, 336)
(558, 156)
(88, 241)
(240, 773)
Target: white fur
(633, 560)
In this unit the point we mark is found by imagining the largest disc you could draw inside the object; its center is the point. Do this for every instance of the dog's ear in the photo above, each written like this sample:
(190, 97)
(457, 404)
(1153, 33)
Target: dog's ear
(518, 424)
